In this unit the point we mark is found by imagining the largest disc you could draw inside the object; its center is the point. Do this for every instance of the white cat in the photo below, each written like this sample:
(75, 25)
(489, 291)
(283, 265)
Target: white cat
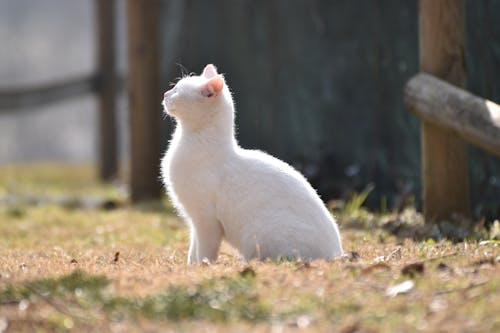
(259, 204)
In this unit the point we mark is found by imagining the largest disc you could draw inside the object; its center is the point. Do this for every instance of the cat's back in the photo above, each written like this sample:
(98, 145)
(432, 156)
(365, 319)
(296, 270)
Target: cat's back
(254, 180)
(259, 168)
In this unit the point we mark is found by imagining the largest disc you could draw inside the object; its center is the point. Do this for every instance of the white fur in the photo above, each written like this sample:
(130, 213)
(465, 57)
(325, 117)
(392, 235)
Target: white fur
(259, 204)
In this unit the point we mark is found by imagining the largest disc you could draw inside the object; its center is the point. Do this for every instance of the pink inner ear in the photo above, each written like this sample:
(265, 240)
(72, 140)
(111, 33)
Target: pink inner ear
(213, 86)
(210, 71)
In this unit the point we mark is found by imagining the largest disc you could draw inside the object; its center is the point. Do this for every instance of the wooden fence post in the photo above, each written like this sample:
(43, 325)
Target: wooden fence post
(144, 99)
(106, 88)
(444, 155)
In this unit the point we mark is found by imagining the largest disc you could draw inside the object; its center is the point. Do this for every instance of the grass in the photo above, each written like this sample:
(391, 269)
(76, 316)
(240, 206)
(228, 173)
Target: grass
(222, 299)
(69, 265)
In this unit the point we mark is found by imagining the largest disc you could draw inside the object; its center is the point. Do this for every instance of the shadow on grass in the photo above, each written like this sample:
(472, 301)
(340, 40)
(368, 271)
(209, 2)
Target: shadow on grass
(222, 299)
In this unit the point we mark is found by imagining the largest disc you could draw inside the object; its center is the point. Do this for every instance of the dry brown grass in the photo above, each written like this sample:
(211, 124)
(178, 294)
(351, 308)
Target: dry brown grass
(456, 287)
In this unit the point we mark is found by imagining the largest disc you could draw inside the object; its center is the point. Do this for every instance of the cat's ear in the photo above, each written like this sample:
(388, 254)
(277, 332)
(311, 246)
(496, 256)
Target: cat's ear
(210, 71)
(213, 87)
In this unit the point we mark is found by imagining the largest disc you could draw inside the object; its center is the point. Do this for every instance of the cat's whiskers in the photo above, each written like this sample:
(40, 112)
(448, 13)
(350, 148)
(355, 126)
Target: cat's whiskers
(184, 70)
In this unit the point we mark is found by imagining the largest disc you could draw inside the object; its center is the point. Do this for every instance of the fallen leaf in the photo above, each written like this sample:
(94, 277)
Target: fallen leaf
(401, 288)
(413, 269)
(23, 304)
(351, 256)
(443, 267)
(303, 265)
(303, 321)
(489, 242)
(248, 272)
(484, 261)
(109, 204)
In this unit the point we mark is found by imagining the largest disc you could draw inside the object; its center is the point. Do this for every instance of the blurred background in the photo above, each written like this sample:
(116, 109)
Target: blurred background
(316, 83)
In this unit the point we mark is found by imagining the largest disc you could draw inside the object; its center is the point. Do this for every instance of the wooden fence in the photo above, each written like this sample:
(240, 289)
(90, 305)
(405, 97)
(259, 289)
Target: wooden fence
(450, 116)
(143, 92)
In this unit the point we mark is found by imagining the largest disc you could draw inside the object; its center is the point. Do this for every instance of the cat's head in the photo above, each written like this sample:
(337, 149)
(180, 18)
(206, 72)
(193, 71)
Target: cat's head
(197, 98)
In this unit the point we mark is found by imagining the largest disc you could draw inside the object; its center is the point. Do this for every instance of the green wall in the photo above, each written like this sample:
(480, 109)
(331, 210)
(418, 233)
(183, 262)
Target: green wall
(319, 84)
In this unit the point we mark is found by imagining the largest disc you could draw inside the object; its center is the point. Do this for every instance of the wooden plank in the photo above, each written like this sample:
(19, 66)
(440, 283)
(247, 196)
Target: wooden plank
(106, 88)
(444, 154)
(40, 95)
(475, 119)
(144, 99)
(32, 97)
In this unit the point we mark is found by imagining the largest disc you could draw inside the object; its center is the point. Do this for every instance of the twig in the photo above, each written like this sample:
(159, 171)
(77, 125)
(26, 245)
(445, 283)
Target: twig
(369, 285)
(55, 305)
(396, 254)
(470, 286)
(443, 256)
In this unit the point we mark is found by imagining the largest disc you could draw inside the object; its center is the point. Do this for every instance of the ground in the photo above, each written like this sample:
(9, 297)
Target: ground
(74, 255)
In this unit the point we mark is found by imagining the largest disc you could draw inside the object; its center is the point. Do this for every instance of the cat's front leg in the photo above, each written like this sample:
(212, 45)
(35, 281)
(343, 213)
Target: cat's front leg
(193, 247)
(208, 237)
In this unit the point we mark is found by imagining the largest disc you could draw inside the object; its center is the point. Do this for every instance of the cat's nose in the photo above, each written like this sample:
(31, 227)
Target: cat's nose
(168, 92)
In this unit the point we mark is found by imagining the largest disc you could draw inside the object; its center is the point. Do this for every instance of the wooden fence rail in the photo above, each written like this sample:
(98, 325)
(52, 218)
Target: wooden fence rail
(473, 118)
(39, 95)
(18, 98)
